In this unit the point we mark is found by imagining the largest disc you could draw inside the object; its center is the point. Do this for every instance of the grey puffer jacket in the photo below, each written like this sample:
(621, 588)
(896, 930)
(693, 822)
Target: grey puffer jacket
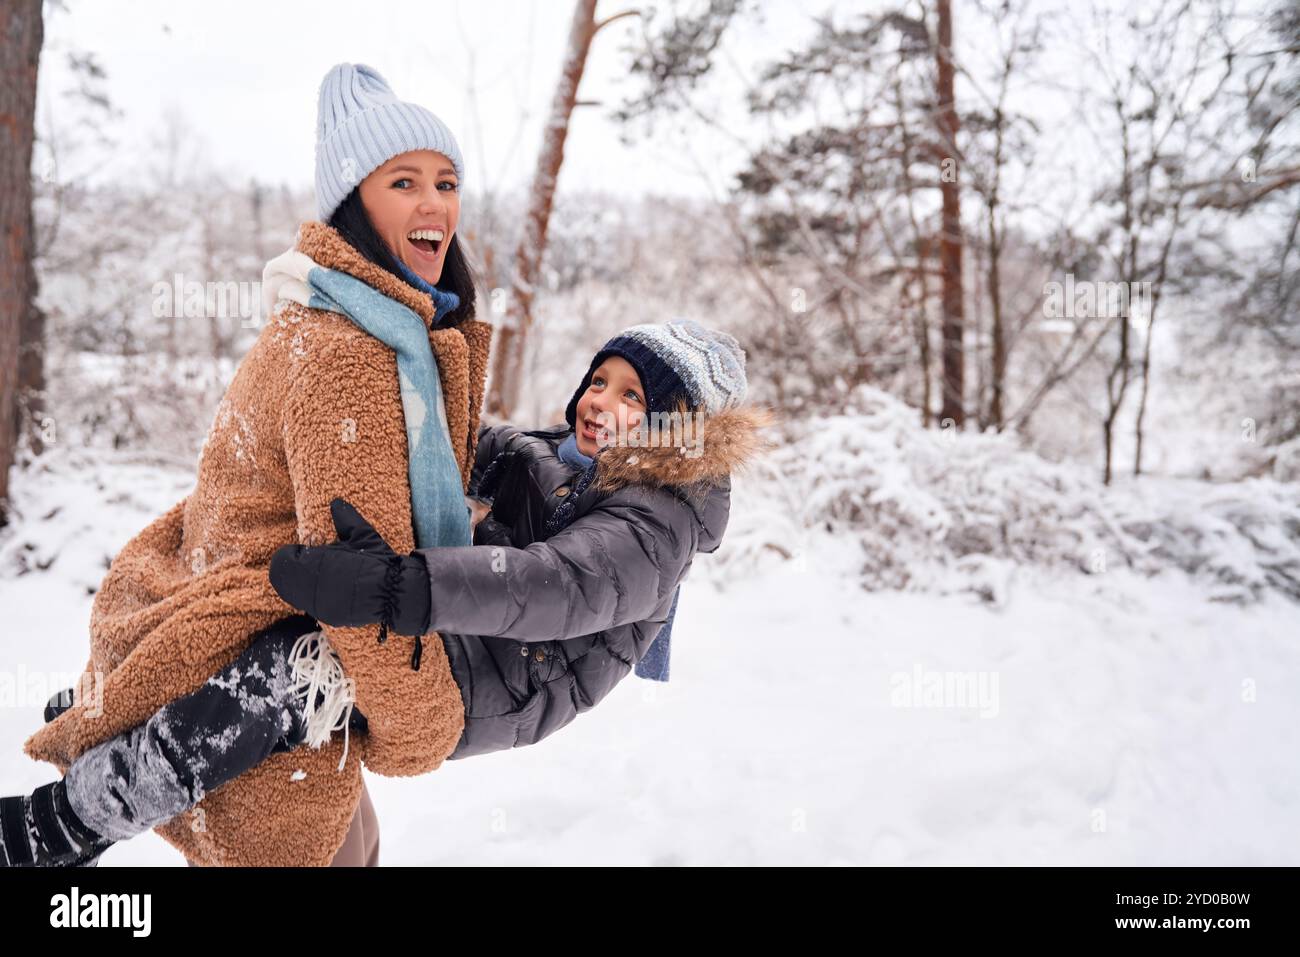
(538, 634)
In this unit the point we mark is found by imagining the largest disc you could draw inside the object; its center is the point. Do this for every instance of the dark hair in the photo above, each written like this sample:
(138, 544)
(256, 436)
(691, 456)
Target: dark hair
(354, 225)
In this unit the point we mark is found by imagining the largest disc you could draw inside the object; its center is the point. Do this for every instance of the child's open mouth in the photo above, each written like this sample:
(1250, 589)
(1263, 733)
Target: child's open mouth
(426, 242)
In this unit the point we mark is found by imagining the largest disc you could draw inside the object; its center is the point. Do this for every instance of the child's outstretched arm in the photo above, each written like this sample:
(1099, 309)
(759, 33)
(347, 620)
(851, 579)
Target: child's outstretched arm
(610, 567)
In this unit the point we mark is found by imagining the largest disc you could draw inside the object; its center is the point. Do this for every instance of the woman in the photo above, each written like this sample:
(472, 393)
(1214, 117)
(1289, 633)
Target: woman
(372, 351)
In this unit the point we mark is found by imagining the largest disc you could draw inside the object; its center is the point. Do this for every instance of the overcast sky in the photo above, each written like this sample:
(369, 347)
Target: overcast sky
(245, 75)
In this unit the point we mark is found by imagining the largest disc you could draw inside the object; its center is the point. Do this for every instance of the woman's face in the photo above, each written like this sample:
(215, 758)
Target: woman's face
(613, 384)
(413, 201)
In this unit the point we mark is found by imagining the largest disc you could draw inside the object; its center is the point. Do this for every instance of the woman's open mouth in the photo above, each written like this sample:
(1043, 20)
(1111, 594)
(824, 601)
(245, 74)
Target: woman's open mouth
(426, 242)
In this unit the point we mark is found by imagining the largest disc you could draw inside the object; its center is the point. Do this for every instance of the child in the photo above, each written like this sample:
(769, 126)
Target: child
(572, 580)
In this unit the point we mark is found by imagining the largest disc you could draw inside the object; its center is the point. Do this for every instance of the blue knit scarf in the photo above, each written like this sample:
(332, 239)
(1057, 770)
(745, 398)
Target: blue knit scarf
(439, 514)
(654, 664)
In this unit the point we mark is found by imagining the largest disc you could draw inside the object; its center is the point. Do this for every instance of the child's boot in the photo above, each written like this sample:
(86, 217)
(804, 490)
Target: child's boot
(41, 830)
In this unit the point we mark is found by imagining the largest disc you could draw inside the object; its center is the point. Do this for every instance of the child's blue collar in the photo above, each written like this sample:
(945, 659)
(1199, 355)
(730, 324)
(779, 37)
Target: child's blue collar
(569, 454)
(443, 301)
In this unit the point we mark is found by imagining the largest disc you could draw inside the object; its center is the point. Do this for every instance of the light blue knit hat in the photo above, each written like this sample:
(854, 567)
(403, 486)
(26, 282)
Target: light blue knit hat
(360, 125)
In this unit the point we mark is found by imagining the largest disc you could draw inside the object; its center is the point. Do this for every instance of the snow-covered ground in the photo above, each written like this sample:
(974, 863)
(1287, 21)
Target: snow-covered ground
(1112, 717)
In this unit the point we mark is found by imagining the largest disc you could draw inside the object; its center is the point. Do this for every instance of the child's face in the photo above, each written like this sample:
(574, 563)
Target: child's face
(614, 384)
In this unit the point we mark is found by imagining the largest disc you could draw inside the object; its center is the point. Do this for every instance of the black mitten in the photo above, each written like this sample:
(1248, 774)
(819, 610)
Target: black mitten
(356, 580)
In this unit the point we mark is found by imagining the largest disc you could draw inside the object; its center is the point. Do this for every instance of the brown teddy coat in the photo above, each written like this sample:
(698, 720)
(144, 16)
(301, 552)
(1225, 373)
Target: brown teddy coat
(313, 413)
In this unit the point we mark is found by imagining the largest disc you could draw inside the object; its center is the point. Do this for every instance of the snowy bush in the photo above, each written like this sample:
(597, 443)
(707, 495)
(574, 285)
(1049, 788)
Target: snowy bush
(958, 511)
(145, 403)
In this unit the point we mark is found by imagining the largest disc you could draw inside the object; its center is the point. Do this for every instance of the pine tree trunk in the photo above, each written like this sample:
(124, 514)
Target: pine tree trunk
(997, 413)
(950, 245)
(21, 35)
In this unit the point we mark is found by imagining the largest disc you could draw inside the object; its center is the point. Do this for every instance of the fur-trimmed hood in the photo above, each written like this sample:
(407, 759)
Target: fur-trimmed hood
(683, 458)
(688, 450)
(690, 457)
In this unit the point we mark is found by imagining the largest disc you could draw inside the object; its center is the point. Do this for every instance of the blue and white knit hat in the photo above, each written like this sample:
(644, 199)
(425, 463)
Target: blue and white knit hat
(676, 359)
(361, 125)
